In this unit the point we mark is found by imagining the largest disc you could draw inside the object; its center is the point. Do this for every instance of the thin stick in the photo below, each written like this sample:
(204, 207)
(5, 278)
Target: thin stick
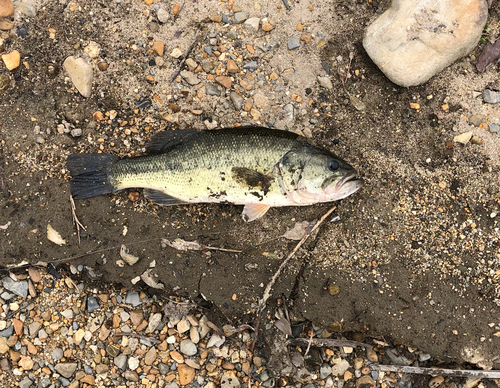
(287, 6)
(267, 291)
(190, 48)
(309, 343)
(76, 221)
(135, 335)
(326, 342)
(482, 374)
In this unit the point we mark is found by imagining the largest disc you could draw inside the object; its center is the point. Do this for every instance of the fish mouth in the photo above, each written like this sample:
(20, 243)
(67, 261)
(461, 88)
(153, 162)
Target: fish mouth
(348, 185)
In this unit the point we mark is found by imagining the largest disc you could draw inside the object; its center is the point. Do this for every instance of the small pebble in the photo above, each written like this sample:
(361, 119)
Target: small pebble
(293, 43)
(240, 17)
(162, 15)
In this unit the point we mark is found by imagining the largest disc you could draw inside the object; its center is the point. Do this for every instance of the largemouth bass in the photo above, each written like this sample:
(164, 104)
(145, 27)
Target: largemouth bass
(252, 166)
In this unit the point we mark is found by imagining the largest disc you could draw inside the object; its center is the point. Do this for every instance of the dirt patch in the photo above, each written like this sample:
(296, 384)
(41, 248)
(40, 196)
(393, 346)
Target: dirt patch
(415, 253)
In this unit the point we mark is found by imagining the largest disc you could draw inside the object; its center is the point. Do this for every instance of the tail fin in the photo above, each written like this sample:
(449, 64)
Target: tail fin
(90, 174)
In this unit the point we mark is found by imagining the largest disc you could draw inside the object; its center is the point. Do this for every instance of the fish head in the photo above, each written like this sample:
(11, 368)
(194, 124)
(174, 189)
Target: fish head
(310, 175)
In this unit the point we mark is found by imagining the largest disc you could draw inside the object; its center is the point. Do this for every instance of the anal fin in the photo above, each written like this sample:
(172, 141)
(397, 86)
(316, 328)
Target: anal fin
(252, 211)
(161, 198)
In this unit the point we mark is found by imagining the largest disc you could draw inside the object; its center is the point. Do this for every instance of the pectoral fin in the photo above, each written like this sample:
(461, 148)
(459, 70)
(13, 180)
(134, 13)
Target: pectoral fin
(161, 198)
(252, 211)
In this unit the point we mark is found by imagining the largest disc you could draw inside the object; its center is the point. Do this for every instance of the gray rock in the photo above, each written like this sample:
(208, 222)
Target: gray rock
(131, 376)
(476, 120)
(173, 384)
(7, 332)
(237, 100)
(252, 24)
(289, 114)
(66, 369)
(494, 128)
(414, 40)
(208, 49)
(92, 303)
(232, 35)
(215, 340)
(325, 82)
(34, 328)
(80, 73)
(293, 43)
(18, 288)
(25, 383)
(212, 90)
(190, 77)
(77, 132)
(7, 295)
(188, 348)
(240, 17)
(340, 368)
(57, 354)
(64, 382)
(250, 66)
(162, 15)
(325, 371)
(121, 361)
(424, 357)
(491, 97)
(133, 299)
(269, 46)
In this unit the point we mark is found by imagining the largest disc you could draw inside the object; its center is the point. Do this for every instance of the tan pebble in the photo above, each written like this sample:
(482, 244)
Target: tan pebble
(227, 365)
(436, 381)
(191, 64)
(175, 9)
(34, 274)
(18, 326)
(224, 81)
(5, 25)
(216, 18)
(97, 116)
(186, 374)
(88, 379)
(12, 60)
(232, 67)
(255, 114)
(104, 333)
(103, 66)
(149, 2)
(414, 105)
(273, 76)
(31, 348)
(305, 38)
(116, 321)
(333, 289)
(299, 27)
(358, 363)
(442, 184)
(176, 53)
(365, 370)
(476, 140)
(463, 138)
(137, 317)
(26, 363)
(150, 356)
(6, 8)
(210, 367)
(365, 382)
(445, 107)
(14, 356)
(347, 375)
(177, 357)
(247, 106)
(371, 355)
(267, 25)
(250, 49)
(158, 47)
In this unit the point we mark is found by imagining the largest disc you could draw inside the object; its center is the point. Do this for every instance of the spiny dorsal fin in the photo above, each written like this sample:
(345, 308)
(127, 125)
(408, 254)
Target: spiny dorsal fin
(164, 140)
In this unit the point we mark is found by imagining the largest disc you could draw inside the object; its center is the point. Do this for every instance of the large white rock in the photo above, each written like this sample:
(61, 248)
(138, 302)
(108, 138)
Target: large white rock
(80, 73)
(414, 40)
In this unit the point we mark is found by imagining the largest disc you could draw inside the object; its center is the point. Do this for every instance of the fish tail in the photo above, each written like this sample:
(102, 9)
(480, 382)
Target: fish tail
(91, 174)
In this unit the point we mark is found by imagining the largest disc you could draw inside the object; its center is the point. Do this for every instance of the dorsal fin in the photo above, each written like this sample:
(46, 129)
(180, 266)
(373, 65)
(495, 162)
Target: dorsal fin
(164, 140)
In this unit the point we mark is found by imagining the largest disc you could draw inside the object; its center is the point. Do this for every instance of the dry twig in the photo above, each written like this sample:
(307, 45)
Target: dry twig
(135, 335)
(320, 342)
(76, 221)
(267, 291)
(482, 374)
(190, 48)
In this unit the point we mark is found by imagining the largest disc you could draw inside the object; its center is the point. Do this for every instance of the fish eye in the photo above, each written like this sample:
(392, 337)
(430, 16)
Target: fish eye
(333, 165)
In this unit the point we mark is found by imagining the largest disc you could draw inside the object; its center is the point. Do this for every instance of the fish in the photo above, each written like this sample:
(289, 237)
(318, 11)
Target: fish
(256, 167)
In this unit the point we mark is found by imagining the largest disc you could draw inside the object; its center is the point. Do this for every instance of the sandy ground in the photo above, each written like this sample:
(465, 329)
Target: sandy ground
(415, 254)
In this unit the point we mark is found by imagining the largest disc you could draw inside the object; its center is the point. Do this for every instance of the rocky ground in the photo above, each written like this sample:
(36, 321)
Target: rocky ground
(409, 265)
